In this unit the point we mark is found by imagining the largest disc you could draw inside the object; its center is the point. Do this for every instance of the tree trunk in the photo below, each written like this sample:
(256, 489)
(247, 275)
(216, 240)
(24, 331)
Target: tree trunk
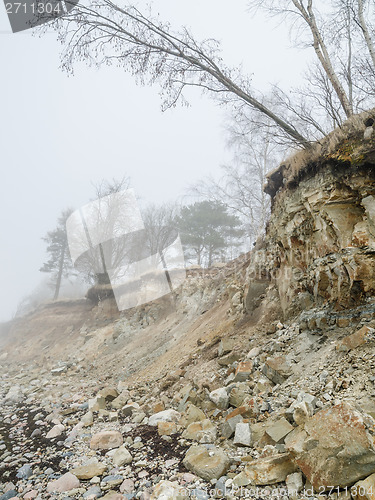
(60, 273)
(365, 32)
(323, 56)
(210, 256)
(104, 276)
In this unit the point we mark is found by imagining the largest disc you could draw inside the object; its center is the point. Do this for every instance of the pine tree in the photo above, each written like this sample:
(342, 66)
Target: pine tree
(59, 263)
(207, 230)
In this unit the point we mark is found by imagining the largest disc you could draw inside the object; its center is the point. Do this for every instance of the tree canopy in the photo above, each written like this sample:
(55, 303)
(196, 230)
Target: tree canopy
(207, 230)
(338, 84)
(59, 263)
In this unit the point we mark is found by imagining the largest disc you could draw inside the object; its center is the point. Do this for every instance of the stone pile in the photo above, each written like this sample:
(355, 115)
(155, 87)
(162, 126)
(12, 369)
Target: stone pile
(260, 423)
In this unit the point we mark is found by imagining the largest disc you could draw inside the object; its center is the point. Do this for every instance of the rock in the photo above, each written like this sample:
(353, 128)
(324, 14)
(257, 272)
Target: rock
(108, 393)
(97, 403)
(127, 486)
(106, 440)
(228, 428)
(368, 133)
(239, 481)
(158, 407)
(24, 472)
(269, 470)
(279, 430)
(294, 483)
(355, 340)
(220, 398)
(206, 463)
(112, 495)
(164, 416)
(120, 401)
(73, 434)
(306, 398)
(264, 385)
(168, 490)
(252, 407)
(89, 471)
(93, 492)
(8, 495)
(14, 395)
(277, 369)
(255, 351)
(335, 447)
(229, 359)
(122, 456)
(364, 490)
(129, 409)
(243, 371)
(244, 411)
(242, 436)
(30, 495)
(145, 495)
(56, 372)
(56, 431)
(66, 482)
(302, 411)
(138, 417)
(192, 414)
(203, 432)
(111, 481)
(343, 322)
(167, 428)
(226, 345)
(87, 419)
(238, 394)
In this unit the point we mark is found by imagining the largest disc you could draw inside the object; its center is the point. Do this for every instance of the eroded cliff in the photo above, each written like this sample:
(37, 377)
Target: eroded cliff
(319, 249)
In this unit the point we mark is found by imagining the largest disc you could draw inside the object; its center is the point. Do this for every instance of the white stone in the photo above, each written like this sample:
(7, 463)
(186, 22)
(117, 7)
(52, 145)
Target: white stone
(220, 398)
(294, 483)
(122, 456)
(56, 431)
(164, 416)
(242, 435)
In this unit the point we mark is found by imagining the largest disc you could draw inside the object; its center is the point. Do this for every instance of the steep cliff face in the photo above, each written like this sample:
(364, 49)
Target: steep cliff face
(319, 248)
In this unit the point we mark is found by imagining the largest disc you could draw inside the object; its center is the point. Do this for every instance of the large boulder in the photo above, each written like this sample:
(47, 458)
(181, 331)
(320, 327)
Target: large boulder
(270, 470)
(168, 490)
(122, 456)
(66, 482)
(277, 369)
(192, 414)
(14, 395)
(203, 432)
(207, 463)
(164, 416)
(364, 490)
(335, 447)
(89, 471)
(267, 470)
(106, 440)
(220, 398)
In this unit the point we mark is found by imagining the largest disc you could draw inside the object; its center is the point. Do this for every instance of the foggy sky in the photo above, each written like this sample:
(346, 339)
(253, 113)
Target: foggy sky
(60, 135)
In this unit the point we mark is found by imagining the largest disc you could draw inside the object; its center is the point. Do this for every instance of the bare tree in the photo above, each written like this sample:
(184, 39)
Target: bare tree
(104, 218)
(103, 32)
(305, 12)
(160, 223)
(240, 188)
(365, 28)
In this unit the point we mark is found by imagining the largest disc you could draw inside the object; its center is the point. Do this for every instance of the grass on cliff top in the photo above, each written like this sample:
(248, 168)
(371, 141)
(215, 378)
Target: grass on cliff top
(345, 144)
